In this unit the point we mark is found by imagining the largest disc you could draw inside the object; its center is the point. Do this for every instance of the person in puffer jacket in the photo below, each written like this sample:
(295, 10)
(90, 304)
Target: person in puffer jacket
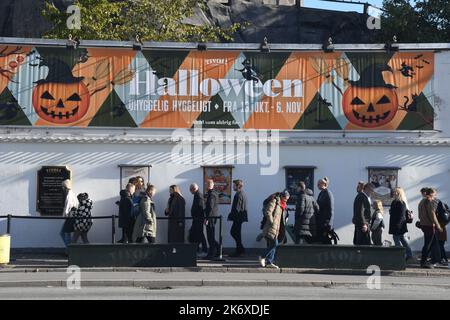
(306, 209)
(83, 218)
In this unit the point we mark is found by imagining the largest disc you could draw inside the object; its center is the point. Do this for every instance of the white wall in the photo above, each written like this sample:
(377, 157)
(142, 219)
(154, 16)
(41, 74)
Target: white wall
(95, 171)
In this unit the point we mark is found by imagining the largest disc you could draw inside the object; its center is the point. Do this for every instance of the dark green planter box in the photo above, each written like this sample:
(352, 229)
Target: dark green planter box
(340, 257)
(133, 255)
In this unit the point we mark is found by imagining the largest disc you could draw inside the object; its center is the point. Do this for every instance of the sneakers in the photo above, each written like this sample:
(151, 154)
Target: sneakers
(262, 262)
(272, 266)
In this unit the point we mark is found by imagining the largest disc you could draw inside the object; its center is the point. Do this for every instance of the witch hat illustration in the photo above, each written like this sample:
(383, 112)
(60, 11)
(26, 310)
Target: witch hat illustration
(58, 72)
(372, 77)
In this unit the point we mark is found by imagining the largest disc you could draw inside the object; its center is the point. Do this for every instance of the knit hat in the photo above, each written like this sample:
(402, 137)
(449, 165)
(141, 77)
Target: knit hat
(82, 196)
(284, 194)
(67, 184)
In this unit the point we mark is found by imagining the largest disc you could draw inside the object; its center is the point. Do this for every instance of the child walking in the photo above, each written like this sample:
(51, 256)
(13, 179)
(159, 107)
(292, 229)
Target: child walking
(377, 223)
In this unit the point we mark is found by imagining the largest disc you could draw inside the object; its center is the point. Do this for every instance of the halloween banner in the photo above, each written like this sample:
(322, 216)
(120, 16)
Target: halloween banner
(98, 87)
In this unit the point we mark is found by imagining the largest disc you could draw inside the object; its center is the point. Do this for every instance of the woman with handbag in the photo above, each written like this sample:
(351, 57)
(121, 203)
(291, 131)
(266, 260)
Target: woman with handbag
(399, 214)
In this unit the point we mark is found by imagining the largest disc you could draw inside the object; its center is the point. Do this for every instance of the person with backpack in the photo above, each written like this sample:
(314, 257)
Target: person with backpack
(398, 219)
(126, 216)
(274, 226)
(377, 223)
(306, 209)
(324, 218)
(82, 218)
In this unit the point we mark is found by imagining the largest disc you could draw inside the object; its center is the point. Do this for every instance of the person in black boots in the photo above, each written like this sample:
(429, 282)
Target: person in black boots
(196, 234)
(211, 210)
(126, 217)
(238, 215)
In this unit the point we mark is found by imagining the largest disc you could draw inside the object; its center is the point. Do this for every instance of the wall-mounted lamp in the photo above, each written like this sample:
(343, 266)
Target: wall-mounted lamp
(328, 46)
(265, 47)
(202, 46)
(72, 43)
(392, 46)
(137, 44)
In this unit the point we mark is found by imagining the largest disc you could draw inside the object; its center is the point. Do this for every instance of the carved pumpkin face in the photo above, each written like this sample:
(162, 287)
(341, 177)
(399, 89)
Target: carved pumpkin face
(61, 102)
(370, 107)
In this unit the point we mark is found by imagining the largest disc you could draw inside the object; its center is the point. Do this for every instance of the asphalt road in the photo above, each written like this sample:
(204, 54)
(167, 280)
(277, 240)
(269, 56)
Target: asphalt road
(225, 293)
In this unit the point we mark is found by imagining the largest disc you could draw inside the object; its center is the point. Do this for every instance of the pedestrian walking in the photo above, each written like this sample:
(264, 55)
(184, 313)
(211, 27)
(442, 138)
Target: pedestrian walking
(196, 233)
(211, 211)
(70, 207)
(324, 218)
(145, 226)
(306, 209)
(175, 211)
(377, 223)
(398, 221)
(274, 226)
(126, 213)
(83, 218)
(361, 215)
(429, 225)
(238, 216)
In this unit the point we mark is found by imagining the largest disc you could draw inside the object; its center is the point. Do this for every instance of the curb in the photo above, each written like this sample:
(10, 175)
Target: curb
(170, 284)
(393, 273)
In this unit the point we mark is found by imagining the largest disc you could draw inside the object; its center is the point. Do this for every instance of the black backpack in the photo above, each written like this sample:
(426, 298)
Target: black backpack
(443, 213)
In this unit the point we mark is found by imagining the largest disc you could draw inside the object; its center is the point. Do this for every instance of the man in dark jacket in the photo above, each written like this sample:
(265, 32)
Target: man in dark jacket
(362, 214)
(126, 217)
(196, 234)
(238, 215)
(306, 209)
(211, 210)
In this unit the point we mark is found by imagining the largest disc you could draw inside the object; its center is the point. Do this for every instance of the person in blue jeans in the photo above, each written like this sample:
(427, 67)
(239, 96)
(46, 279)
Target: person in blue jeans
(70, 206)
(274, 227)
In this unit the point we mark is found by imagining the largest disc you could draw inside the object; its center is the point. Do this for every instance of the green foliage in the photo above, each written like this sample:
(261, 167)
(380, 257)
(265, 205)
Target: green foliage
(416, 21)
(152, 20)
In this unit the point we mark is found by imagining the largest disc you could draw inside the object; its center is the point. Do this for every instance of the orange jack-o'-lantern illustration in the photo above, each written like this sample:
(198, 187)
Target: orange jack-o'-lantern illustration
(370, 107)
(370, 102)
(61, 98)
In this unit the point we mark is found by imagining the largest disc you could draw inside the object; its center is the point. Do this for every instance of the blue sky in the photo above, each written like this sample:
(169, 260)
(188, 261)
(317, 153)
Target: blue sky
(340, 6)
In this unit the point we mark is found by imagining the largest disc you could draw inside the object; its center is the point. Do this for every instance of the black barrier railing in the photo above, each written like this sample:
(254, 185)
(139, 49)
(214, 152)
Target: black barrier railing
(9, 218)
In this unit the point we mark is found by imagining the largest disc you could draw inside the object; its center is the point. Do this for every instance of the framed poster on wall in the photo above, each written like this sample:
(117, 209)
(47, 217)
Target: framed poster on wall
(385, 180)
(295, 174)
(128, 171)
(222, 177)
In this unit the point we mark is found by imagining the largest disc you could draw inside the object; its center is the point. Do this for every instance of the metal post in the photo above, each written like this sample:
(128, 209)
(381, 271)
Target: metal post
(113, 229)
(8, 225)
(220, 237)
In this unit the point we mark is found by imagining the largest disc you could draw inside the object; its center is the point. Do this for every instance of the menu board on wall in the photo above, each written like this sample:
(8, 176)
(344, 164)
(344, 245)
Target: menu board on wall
(50, 196)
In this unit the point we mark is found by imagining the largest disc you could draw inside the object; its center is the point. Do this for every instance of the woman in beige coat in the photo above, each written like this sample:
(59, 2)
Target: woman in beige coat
(274, 228)
(145, 225)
